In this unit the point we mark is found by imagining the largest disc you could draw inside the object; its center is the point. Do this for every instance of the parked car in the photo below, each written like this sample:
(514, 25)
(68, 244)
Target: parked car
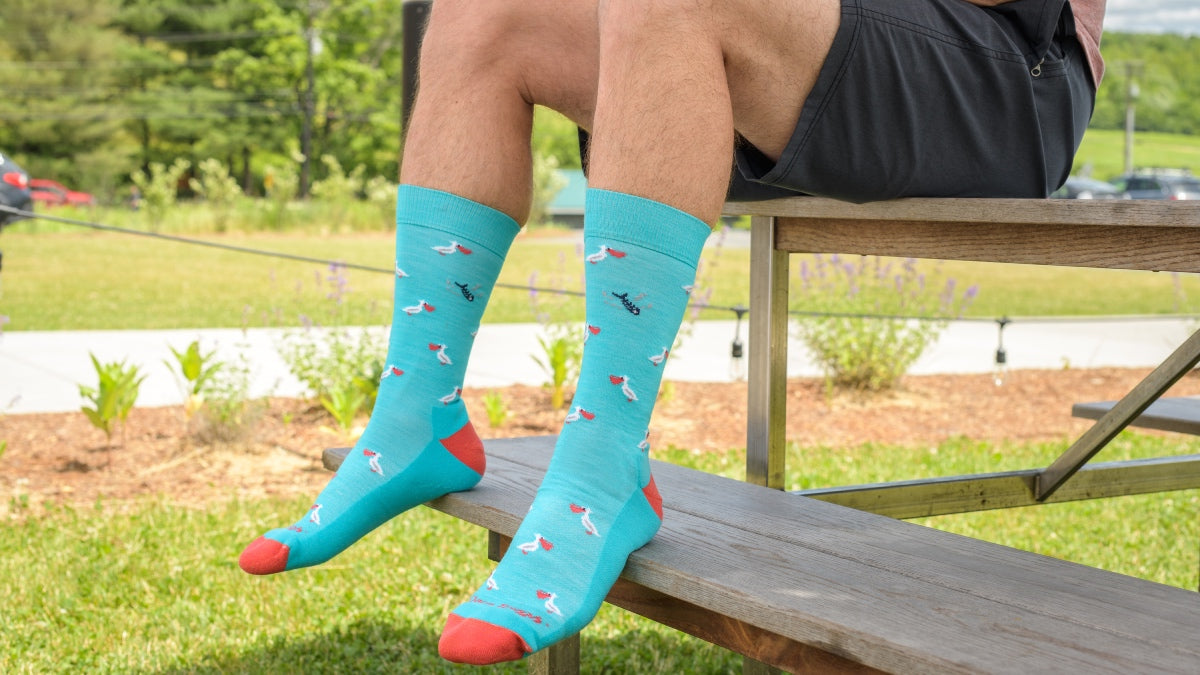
(14, 189)
(1161, 184)
(1078, 187)
(52, 193)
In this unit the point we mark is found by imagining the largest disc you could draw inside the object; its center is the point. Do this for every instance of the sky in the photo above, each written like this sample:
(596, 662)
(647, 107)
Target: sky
(1153, 16)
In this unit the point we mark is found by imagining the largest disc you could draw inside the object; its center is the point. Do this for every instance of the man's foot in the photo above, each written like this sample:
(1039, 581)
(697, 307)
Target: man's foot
(564, 559)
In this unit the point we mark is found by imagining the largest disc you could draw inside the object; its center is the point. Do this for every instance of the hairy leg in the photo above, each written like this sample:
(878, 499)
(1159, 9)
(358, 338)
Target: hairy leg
(483, 67)
(677, 77)
(664, 130)
(673, 79)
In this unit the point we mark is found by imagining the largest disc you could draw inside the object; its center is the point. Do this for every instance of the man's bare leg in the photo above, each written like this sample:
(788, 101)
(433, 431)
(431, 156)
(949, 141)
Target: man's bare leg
(676, 78)
(483, 66)
(664, 124)
(466, 189)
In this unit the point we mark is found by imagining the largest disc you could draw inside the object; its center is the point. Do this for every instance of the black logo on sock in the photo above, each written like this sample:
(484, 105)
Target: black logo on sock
(627, 303)
(466, 292)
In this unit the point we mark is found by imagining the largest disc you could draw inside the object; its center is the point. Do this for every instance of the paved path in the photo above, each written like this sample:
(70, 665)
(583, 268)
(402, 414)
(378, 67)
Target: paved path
(42, 371)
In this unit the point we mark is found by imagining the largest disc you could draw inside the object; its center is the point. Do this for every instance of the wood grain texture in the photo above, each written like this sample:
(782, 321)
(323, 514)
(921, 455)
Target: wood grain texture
(1174, 249)
(768, 648)
(1129, 213)
(1122, 234)
(864, 588)
(1009, 489)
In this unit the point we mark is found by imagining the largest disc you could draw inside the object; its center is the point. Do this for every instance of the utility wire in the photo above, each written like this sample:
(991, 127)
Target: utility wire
(738, 310)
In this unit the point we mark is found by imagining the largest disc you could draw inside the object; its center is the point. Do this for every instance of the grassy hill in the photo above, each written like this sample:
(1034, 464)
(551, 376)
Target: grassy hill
(1103, 151)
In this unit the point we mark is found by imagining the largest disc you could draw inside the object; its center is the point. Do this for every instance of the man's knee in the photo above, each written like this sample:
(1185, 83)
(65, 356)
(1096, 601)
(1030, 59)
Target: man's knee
(472, 34)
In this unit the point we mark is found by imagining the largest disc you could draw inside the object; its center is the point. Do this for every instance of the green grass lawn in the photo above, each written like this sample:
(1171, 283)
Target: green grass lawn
(58, 277)
(149, 586)
(78, 281)
(1103, 151)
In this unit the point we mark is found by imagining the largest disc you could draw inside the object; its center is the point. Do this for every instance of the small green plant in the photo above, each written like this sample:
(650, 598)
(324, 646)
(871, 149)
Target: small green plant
(344, 402)
(338, 185)
(194, 371)
(227, 412)
(561, 341)
(561, 355)
(872, 318)
(497, 410)
(381, 193)
(113, 397)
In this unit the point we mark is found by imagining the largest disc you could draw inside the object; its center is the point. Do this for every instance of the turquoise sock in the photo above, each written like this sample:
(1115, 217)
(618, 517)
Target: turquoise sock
(597, 503)
(418, 444)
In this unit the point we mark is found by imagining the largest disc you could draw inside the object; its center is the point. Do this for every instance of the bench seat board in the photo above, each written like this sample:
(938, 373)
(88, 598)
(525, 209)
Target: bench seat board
(1122, 234)
(888, 594)
(1180, 413)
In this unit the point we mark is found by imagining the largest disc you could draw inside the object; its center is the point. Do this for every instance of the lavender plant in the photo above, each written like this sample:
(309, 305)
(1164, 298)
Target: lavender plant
(870, 319)
(336, 362)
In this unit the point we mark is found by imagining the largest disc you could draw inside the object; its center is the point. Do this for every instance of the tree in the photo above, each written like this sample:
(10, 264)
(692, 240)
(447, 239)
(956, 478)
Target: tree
(59, 68)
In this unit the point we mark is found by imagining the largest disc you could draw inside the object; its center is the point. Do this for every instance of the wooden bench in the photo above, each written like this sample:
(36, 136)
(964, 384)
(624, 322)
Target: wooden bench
(810, 586)
(1115, 234)
(807, 586)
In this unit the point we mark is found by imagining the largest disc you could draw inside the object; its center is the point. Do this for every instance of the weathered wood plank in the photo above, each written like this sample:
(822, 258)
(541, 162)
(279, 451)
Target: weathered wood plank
(871, 589)
(861, 587)
(1041, 212)
(1101, 246)
(738, 636)
(1009, 489)
(1180, 414)
(1123, 234)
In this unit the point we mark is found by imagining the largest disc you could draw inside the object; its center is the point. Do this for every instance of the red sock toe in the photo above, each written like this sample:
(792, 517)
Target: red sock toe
(264, 556)
(479, 643)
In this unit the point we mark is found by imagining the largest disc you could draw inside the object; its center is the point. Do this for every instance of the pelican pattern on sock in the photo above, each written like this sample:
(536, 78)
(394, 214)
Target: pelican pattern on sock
(418, 444)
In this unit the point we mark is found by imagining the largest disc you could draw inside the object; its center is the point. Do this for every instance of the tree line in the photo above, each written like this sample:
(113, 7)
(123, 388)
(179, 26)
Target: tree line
(93, 90)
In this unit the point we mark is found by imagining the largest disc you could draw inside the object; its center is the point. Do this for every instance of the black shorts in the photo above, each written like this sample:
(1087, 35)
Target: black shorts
(935, 98)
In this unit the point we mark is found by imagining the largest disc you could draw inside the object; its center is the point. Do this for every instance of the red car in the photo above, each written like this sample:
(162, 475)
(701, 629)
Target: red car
(52, 193)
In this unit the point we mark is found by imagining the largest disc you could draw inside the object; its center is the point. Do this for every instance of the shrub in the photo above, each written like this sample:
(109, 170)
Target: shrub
(340, 365)
(871, 318)
(219, 189)
(546, 185)
(159, 188)
(228, 413)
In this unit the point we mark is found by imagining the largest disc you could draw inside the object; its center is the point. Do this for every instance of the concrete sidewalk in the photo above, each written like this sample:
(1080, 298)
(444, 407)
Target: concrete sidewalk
(42, 371)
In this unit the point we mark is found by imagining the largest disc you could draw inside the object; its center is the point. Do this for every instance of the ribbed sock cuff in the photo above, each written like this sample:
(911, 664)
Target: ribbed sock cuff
(645, 222)
(449, 213)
